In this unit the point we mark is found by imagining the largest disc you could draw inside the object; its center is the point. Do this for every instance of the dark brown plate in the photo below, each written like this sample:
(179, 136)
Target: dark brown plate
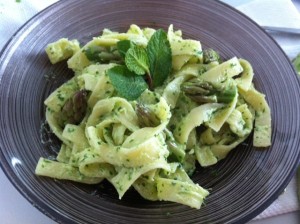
(242, 185)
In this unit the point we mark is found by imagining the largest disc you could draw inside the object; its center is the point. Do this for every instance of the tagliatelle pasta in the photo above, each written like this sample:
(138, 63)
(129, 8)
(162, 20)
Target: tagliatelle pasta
(150, 143)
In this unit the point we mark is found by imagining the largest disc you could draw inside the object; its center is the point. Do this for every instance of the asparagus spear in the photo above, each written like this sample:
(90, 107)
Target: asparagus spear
(177, 152)
(204, 92)
(102, 54)
(146, 117)
(74, 109)
(209, 55)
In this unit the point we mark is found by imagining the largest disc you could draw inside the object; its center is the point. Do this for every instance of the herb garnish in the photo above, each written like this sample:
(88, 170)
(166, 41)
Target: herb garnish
(153, 64)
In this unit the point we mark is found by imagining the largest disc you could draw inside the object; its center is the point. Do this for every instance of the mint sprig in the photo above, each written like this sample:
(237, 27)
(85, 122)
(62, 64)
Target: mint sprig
(153, 64)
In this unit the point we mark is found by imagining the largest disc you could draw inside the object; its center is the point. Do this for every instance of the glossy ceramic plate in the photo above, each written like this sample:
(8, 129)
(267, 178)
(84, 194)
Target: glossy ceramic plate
(242, 185)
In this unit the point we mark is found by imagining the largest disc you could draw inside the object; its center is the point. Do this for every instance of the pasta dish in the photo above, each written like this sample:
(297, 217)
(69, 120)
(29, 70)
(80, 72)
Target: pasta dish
(145, 106)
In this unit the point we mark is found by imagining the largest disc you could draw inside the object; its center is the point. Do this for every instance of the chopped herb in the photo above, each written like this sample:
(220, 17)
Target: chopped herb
(60, 97)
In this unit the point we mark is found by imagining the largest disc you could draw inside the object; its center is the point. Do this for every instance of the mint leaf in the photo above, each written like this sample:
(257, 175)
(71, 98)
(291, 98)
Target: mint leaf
(123, 46)
(126, 83)
(136, 60)
(160, 57)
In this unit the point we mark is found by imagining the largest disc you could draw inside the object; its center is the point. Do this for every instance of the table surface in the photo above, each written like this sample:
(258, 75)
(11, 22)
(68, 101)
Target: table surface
(14, 208)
